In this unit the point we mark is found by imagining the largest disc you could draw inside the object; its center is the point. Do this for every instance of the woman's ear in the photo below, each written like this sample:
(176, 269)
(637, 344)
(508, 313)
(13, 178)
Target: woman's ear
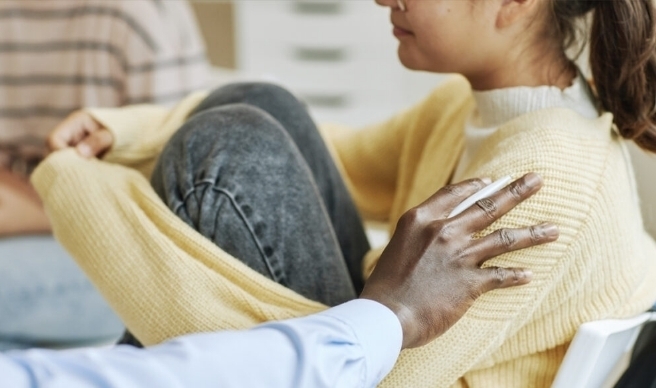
(513, 11)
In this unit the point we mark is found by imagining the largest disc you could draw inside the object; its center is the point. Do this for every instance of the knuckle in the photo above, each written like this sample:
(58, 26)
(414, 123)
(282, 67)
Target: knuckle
(507, 238)
(459, 257)
(472, 186)
(461, 253)
(411, 217)
(518, 189)
(536, 234)
(515, 276)
(459, 260)
(500, 275)
(454, 190)
(441, 231)
(107, 136)
(100, 138)
(91, 142)
(488, 206)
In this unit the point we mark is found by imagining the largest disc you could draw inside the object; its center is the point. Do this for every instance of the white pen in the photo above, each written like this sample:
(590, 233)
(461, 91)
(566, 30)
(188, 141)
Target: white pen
(483, 193)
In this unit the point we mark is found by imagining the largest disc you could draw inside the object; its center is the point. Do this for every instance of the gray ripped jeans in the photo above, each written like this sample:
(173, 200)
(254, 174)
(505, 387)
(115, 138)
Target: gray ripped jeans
(250, 171)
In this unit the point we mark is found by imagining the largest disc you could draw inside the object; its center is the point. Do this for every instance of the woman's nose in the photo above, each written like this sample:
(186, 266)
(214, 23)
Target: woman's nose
(394, 4)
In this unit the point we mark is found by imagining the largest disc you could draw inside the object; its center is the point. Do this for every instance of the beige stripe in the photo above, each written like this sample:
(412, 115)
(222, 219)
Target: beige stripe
(58, 80)
(44, 15)
(63, 46)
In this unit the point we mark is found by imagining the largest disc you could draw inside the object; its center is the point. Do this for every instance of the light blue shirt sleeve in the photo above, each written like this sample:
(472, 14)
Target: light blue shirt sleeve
(352, 345)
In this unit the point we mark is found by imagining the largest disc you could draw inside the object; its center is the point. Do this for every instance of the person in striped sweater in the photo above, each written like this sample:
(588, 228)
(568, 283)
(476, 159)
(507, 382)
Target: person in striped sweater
(56, 57)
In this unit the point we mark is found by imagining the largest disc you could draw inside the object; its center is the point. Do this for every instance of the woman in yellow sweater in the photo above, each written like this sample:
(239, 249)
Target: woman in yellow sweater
(521, 106)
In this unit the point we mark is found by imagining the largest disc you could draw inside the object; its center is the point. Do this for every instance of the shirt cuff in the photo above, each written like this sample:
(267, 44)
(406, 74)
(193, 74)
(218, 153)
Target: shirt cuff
(378, 331)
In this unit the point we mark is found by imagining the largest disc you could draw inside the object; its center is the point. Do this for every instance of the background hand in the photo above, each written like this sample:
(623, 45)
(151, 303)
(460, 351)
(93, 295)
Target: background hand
(429, 274)
(82, 131)
(21, 211)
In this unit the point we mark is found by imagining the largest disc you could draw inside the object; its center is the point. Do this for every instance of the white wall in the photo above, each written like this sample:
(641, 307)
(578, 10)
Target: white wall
(339, 56)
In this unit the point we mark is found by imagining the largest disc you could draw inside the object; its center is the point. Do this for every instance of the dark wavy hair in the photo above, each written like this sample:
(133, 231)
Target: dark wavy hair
(622, 59)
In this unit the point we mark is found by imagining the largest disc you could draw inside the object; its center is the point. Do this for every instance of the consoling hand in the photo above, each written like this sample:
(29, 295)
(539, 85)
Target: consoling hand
(430, 273)
(82, 131)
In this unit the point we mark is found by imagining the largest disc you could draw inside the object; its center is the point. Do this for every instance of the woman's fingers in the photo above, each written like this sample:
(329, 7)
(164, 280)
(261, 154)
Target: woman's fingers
(507, 240)
(74, 129)
(96, 143)
(484, 212)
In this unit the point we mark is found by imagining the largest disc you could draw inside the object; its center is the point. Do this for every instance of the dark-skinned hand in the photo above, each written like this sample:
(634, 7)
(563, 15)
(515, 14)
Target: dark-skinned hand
(430, 272)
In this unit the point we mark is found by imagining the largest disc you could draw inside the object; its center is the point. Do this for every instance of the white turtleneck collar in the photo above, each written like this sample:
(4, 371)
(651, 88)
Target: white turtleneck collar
(496, 107)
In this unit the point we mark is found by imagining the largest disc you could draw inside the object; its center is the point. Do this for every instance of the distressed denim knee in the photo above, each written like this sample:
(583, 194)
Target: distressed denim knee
(294, 118)
(269, 97)
(235, 175)
(197, 175)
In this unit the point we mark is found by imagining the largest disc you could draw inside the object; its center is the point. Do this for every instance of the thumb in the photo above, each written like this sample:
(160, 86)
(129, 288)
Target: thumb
(95, 144)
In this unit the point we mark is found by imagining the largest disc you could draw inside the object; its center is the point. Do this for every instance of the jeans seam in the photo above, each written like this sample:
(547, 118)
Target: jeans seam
(277, 278)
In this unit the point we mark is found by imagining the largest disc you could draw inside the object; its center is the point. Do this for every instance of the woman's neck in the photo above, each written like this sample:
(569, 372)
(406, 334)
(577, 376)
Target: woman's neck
(559, 73)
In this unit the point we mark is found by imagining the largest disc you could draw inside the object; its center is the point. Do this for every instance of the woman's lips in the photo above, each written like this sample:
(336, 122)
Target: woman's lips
(400, 32)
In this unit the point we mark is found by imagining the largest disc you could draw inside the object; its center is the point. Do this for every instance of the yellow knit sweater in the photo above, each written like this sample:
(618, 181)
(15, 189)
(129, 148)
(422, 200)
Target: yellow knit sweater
(164, 279)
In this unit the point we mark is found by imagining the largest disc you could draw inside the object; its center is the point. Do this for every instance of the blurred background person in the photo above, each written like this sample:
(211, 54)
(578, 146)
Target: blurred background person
(55, 57)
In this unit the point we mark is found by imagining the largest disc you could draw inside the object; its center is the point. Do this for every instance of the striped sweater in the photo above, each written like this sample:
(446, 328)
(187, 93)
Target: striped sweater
(59, 56)
(164, 279)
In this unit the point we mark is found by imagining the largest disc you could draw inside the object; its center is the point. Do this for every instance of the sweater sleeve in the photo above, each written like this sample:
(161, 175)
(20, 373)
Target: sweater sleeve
(565, 198)
(368, 159)
(160, 276)
(141, 131)
(376, 160)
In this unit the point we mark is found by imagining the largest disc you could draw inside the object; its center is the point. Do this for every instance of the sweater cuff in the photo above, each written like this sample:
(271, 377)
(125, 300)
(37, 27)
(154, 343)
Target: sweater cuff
(136, 126)
(127, 124)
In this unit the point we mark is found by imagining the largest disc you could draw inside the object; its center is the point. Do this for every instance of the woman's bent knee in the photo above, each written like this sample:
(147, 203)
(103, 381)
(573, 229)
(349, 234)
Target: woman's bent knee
(228, 124)
(259, 94)
(231, 134)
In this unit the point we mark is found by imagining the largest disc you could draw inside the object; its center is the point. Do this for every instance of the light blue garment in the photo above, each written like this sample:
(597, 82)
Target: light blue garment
(46, 300)
(351, 345)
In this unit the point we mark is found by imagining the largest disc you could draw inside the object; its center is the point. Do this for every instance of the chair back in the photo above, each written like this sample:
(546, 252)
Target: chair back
(600, 352)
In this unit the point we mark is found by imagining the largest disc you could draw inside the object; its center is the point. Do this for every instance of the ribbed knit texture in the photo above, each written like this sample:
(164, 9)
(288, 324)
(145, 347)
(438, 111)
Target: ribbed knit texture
(164, 279)
(498, 106)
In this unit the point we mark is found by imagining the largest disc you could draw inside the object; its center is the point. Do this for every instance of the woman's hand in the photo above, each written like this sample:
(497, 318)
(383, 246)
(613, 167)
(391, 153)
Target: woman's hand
(430, 273)
(82, 131)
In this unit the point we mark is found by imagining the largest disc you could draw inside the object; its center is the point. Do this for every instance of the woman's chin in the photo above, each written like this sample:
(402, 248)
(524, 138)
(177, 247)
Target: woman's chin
(412, 60)
(408, 59)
